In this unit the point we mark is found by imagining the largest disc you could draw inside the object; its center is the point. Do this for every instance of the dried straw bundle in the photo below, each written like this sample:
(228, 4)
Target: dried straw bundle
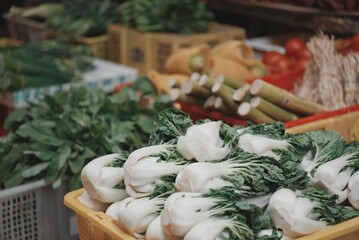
(330, 78)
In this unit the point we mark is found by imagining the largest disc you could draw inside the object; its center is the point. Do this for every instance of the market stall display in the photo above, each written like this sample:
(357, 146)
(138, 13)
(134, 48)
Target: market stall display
(217, 139)
(190, 190)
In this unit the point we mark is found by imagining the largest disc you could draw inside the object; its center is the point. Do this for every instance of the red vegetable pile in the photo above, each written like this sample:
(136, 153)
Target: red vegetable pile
(296, 57)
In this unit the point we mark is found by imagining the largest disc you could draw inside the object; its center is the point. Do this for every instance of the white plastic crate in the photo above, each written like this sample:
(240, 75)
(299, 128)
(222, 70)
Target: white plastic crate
(35, 211)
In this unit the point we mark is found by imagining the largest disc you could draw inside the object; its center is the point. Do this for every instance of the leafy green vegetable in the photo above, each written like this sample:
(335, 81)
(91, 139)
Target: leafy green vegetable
(183, 16)
(170, 125)
(43, 64)
(326, 145)
(85, 18)
(60, 134)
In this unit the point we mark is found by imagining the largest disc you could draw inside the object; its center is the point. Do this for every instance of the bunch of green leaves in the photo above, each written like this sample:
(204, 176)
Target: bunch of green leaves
(59, 135)
(182, 16)
(85, 18)
(42, 64)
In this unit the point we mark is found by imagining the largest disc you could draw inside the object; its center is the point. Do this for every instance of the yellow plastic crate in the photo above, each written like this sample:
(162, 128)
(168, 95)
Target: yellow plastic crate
(98, 226)
(93, 225)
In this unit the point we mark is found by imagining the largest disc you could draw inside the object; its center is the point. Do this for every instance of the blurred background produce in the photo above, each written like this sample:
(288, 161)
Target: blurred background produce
(43, 64)
(56, 137)
(182, 16)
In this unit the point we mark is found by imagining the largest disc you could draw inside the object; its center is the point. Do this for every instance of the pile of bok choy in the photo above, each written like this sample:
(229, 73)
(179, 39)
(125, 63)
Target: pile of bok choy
(208, 180)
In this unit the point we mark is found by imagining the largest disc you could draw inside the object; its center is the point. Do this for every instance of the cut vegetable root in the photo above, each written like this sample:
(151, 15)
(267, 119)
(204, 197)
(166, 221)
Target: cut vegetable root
(284, 98)
(272, 110)
(246, 111)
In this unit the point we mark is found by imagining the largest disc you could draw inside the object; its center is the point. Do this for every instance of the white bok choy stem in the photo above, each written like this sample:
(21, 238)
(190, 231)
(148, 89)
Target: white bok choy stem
(270, 140)
(103, 178)
(333, 176)
(155, 231)
(91, 203)
(292, 213)
(306, 211)
(184, 211)
(135, 214)
(145, 166)
(215, 229)
(262, 145)
(203, 143)
(353, 187)
(245, 173)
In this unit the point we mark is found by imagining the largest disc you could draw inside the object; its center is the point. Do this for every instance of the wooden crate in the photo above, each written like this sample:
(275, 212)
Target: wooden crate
(24, 29)
(346, 124)
(98, 45)
(146, 50)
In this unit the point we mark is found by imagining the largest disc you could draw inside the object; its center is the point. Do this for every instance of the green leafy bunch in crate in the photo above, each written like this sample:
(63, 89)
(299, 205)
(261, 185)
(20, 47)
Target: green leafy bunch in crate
(59, 135)
(85, 17)
(40, 64)
(182, 16)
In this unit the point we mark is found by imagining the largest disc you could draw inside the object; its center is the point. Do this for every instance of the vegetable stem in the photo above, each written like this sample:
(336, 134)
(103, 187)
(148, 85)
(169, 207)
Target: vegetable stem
(283, 98)
(272, 110)
(246, 111)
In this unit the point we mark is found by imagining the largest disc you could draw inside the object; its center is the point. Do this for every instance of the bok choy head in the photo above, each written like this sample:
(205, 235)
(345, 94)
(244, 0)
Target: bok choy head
(270, 140)
(333, 176)
(217, 214)
(103, 178)
(203, 141)
(300, 213)
(146, 166)
(326, 145)
(136, 214)
(249, 175)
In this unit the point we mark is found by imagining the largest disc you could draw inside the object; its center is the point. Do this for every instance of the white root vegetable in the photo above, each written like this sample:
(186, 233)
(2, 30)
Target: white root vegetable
(101, 181)
(91, 203)
(202, 143)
